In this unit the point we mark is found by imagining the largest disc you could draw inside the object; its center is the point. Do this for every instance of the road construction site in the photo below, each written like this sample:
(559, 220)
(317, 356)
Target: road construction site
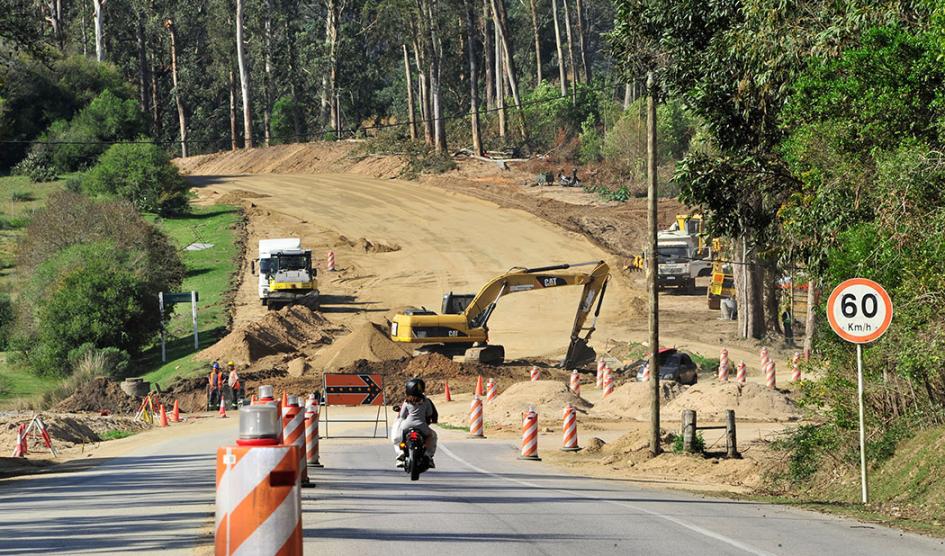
(400, 244)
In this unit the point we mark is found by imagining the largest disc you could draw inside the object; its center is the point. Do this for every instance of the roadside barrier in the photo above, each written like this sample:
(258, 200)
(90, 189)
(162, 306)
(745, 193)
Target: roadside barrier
(331, 261)
(530, 435)
(599, 381)
(258, 499)
(479, 390)
(476, 419)
(575, 382)
(267, 396)
(175, 413)
(222, 412)
(770, 375)
(535, 373)
(608, 382)
(796, 367)
(22, 447)
(569, 441)
(311, 433)
(723, 365)
(741, 375)
(492, 390)
(764, 357)
(163, 421)
(293, 433)
(447, 395)
(285, 403)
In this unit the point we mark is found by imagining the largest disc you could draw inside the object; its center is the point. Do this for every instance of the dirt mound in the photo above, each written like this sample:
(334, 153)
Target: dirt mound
(98, 395)
(369, 246)
(632, 401)
(547, 396)
(237, 196)
(369, 341)
(285, 331)
(751, 401)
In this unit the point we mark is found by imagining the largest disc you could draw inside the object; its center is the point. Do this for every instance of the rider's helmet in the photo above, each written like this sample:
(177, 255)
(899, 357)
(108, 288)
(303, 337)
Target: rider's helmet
(415, 387)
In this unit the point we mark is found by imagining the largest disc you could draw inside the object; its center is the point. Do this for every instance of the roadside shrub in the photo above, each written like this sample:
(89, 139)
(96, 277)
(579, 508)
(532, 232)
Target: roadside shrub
(22, 197)
(142, 174)
(282, 125)
(591, 143)
(109, 361)
(37, 165)
(7, 316)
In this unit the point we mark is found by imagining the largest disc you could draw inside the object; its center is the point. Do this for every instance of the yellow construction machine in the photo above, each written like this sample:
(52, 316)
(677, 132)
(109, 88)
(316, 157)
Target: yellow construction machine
(462, 327)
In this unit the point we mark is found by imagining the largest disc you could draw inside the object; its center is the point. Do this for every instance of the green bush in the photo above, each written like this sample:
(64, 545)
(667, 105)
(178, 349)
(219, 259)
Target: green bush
(37, 165)
(7, 316)
(108, 361)
(282, 125)
(591, 143)
(141, 173)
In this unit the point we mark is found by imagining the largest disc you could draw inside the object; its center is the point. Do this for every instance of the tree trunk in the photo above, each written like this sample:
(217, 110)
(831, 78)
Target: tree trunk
(411, 115)
(500, 84)
(234, 131)
(181, 111)
(424, 94)
(156, 126)
(582, 41)
(537, 37)
(772, 302)
(562, 73)
(810, 325)
(144, 80)
(434, 52)
(473, 77)
(501, 23)
(99, 9)
(54, 8)
(292, 15)
(488, 48)
(749, 293)
(567, 30)
(627, 95)
(333, 96)
(267, 76)
(244, 78)
(83, 28)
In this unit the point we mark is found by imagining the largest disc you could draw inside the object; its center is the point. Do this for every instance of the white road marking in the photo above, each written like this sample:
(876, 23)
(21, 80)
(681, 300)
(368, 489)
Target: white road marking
(694, 528)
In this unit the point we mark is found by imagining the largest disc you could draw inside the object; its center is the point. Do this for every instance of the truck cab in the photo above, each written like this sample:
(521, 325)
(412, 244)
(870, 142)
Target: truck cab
(285, 272)
(679, 260)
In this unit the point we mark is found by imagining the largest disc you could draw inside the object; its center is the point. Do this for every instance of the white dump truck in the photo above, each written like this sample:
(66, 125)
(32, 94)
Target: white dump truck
(680, 260)
(285, 273)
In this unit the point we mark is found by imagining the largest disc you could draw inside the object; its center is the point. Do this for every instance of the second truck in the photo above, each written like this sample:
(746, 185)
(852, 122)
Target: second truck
(285, 273)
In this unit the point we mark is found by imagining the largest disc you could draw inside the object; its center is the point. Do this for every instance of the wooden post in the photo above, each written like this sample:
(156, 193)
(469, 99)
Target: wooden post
(688, 430)
(163, 344)
(731, 448)
(652, 268)
(193, 310)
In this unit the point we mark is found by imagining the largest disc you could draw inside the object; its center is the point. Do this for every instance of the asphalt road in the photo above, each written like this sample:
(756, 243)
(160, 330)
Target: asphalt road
(480, 499)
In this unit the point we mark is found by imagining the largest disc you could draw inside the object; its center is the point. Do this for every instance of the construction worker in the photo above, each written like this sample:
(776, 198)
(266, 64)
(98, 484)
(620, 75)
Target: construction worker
(214, 385)
(233, 381)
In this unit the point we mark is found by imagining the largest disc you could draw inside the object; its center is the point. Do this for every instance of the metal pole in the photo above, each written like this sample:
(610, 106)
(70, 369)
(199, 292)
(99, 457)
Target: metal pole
(859, 388)
(163, 345)
(193, 311)
(653, 266)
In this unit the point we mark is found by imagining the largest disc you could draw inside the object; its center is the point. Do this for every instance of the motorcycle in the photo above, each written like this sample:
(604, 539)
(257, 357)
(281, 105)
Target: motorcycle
(415, 453)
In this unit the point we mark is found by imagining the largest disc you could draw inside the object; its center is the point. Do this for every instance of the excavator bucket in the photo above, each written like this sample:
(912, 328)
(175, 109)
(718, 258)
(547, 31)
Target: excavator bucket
(485, 355)
(579, 354)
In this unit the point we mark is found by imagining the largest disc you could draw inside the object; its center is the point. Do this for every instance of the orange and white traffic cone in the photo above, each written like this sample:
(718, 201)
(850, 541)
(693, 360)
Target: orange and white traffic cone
(331, 261)
(575, 382)
(796, 367)
(569, 441)
(447, 395)
(293, 433)
(258, 499)
(21, 448)
(479, 390)
(476, 419)
(175, 413)
(723, 366)
(311, 434)
(492, 390)
(770, 375)
(530, 435)
(222, 412)
(609, 382)
(599, 381)
(535, 373)
(163, 421)
(741, 375)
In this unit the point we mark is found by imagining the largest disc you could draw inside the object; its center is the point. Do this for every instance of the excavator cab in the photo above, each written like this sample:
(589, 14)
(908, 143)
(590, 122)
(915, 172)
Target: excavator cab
(456, 303)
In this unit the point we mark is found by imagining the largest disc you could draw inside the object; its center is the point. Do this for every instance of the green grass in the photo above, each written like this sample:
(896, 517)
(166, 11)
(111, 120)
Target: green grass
(449, 426)
(115, 434)
(16, 382)
(209, 273)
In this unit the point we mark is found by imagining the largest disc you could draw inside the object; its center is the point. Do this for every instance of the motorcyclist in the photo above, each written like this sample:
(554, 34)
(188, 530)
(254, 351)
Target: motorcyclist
(417, 412)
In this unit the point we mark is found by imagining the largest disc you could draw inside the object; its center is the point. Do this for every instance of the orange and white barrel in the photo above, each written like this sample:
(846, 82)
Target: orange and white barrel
(311, 433)
(475, 418)
(331, 261)
(770, 375)
(741, 373)
(609, 383)
(492, 390)
(569, 441)
(575, 384)
(293, 433)
(530, 435)
(796, 367)
(258, 500)
(764, 357)
(723, 365)
(479, 391)
(599, 380)
(535, 373)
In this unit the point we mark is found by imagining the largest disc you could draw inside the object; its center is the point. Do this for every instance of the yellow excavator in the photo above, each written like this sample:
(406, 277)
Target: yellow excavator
(462, 327)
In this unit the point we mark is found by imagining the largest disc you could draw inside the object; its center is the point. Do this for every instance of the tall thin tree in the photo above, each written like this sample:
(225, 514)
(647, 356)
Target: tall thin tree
(473, 77)
(411, 114)
(574, 71)
(178, 97)
(537, 37)
(99, 12)
(562, 71)
(582, 40)
(244, 78)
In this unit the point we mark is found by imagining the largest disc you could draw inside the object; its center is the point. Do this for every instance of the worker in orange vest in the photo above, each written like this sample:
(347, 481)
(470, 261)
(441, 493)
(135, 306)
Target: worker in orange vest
(234, 382)
(214, 385)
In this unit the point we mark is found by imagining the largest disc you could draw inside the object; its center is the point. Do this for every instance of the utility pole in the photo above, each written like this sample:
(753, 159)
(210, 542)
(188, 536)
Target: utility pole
(652, 269)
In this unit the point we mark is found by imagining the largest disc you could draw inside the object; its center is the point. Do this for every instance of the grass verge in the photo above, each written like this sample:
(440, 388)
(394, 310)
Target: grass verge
(115, 434)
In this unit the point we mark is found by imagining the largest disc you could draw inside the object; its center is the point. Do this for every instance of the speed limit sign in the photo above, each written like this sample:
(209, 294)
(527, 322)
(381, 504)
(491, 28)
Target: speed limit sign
(859, 310)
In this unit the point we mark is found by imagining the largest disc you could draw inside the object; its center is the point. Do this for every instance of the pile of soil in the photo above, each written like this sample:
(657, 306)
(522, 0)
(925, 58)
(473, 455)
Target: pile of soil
(548, 397)
(751, 401)
(287, 330)
(237, 196)
(369, 342)
(99, 394)
(369, 246)
(632, 401)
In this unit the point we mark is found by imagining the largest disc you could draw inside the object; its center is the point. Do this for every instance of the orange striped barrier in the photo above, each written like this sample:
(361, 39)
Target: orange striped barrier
(222, 412)
(492, 390)
(530, 435)
(446, 391)
(293, 433)
(723, 365)
(741, 375)
(22, 446)
(476, 419)
(163, 421)
(764, 357)
(599, 382)
(569, 441)
(175, 413)
(331, 261)
(609, 382)
(796, 367)
(258, 499)
(479, 390)
(535, 373)
(311, 433)
(770, 375)
(575, 382)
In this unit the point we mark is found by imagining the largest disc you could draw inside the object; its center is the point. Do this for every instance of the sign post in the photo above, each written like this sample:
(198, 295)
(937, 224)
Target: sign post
(355, 390)
(171, 299)
(859, 311)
